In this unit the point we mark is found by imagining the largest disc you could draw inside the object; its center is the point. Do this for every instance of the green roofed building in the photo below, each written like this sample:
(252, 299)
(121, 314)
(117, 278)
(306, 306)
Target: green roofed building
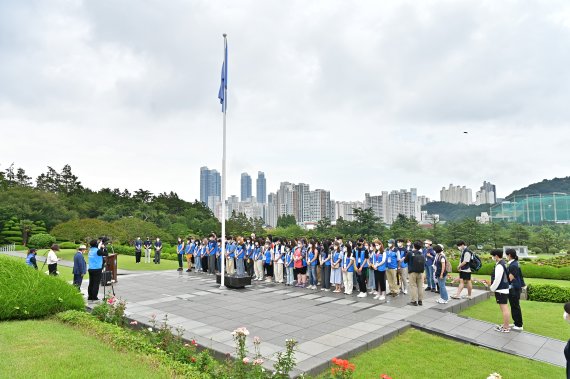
(534, 209)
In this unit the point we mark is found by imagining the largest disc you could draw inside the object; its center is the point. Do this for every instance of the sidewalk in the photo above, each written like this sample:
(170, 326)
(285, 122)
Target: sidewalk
(481, 333)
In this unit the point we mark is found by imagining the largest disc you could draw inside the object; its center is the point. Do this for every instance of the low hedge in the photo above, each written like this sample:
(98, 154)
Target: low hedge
(168, 252)
(529, 270)
(68, 245)
(127, 340)
(548, 293)
(27, 293)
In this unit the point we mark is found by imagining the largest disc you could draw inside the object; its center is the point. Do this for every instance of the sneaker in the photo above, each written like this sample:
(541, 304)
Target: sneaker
(514, 327)
(441, 301)
(466, 297)
(455, 297)
(376, 297)
(327, 290)
(382, 298)
(420, 303)
(362, 294)
(500, 329)
(375, 293)
(405, 292)
(414, 303)
(323, 289)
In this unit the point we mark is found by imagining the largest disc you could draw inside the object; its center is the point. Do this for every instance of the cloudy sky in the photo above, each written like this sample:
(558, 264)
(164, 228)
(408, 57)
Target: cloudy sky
(349, 96)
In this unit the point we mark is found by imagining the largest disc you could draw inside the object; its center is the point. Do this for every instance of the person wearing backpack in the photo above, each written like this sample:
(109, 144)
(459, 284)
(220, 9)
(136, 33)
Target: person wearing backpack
(442, 268)
(464, 269)
(516, 283)
(416, 266)
(500, 286)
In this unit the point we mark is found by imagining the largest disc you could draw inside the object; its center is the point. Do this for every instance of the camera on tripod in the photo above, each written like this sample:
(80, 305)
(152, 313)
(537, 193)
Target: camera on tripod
(105, 240)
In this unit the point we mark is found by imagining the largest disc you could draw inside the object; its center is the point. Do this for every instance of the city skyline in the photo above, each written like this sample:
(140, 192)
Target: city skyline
(149, 90)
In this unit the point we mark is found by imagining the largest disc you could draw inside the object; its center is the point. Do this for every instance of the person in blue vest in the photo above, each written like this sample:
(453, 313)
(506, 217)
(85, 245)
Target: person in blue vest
(198, 255)
(240, 256)
(157, 250)
(268, 261)
(429, 255)
(212, 247)
(249, 257)
(147, 246)
(31, 259)
(97, 250)
(403, 266)
(500, 286)
(79, 266)
(371, 280)
(347, 269)
(289, 265)
(258, 258)
(230, 256)
(138, 249)
(379, 265)
(313, 255)
(361, 266)
(336, 263)
(326, 266)
(392, 268)
(180, 253)
(188, 252)
(516, 284)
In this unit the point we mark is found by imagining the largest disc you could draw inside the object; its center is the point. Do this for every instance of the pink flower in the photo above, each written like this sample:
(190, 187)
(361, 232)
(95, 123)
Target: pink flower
(256, 340)
(246, 360)
(134, 322)
(258, 362)
(111, 300)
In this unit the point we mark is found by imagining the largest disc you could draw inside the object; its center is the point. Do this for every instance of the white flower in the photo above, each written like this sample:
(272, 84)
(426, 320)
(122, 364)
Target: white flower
(495, 375)
(150, 329)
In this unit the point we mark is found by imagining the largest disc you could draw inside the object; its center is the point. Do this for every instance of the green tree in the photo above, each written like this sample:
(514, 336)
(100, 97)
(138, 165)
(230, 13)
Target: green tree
(285, 221)
(519, 234)
(545, 238)
(27, 227)
(87, 229)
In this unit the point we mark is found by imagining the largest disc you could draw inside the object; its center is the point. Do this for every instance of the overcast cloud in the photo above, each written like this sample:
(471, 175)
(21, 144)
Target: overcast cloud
(349, 96)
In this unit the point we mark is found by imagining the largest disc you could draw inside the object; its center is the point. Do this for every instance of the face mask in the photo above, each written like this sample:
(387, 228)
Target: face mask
(565, 317)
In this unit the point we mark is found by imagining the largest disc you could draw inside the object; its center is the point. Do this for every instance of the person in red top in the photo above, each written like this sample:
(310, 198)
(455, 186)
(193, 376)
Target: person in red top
(299, 270)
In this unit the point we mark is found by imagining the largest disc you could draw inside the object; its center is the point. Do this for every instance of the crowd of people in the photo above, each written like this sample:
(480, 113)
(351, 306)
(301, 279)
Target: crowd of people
(399, 267)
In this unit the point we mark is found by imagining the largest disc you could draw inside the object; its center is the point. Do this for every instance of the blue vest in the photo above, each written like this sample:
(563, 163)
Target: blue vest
(504, 284)
(401, 255)
(346, 263)
(379, 257)
(325, 256)
(95, 261)
(239, 252)
(335, 257)
(360, 256)
(304, 256)
(267, 256)
(28, 260)
(392, 259)
(180, 248)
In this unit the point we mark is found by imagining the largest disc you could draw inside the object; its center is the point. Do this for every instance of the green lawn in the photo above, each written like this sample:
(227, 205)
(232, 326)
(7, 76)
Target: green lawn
(49, 349)
(539, 318)
(417, 354)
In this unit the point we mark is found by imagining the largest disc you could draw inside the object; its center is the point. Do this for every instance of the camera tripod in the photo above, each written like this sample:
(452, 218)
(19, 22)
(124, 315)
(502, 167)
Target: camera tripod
(105, 282)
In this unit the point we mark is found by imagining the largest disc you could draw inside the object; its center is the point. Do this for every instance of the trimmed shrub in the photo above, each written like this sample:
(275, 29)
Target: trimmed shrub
(41, 241)
(67, 245)
(548, 293)
(27, 293)
(536, 250)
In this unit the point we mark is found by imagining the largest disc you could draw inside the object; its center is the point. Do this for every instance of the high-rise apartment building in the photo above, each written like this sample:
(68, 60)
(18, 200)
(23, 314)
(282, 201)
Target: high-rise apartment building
(345, 209)
(389, 205)
(456, 195)
(487, 194)
(245, 187)
(306, 205)
(261, 185)
(210, 185)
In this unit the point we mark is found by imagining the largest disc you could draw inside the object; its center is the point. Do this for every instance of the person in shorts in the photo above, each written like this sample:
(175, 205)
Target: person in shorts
(500, 286)
(464, 271)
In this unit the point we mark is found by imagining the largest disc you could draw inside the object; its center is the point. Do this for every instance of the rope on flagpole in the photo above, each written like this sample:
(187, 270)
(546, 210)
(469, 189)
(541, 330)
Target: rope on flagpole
(223, 253)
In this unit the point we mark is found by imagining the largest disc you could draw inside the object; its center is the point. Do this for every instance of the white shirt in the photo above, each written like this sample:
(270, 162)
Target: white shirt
(51, 258)
(498, 277)
(466, 259)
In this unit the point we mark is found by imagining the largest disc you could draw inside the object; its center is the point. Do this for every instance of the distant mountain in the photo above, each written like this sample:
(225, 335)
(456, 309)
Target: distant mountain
(546, 186)
(454, 212)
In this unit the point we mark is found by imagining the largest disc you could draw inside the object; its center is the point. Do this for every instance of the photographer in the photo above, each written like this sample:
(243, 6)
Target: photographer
(97, 251)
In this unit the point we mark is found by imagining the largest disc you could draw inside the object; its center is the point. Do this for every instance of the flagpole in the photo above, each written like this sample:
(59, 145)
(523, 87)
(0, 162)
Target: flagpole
(223, 254)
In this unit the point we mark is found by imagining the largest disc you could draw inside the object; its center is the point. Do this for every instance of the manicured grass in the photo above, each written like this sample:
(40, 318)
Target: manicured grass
(49, 349)
(554, 282)
(417, 354)
(127, 262)
(539, 318)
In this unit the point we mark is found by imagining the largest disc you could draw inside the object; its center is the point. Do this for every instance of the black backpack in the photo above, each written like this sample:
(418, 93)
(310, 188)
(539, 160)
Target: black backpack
(418, 262)
(475, 262)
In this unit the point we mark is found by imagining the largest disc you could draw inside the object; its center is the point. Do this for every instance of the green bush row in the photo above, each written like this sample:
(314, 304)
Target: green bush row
(27, 293)
(168, 252)
(528, 270)
(127, 340)
(548, 293)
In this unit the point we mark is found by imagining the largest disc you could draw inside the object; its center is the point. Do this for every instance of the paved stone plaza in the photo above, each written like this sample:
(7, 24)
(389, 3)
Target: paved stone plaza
(326, 324)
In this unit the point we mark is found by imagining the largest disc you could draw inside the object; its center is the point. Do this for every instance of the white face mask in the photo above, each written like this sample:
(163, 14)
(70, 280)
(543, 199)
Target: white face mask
(566, 317)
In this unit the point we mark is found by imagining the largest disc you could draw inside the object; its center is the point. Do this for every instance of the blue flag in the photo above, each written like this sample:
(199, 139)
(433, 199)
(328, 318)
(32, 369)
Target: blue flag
(224, 83)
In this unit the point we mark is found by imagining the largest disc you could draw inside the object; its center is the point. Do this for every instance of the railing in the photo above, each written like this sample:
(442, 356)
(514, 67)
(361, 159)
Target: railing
(8, 248)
